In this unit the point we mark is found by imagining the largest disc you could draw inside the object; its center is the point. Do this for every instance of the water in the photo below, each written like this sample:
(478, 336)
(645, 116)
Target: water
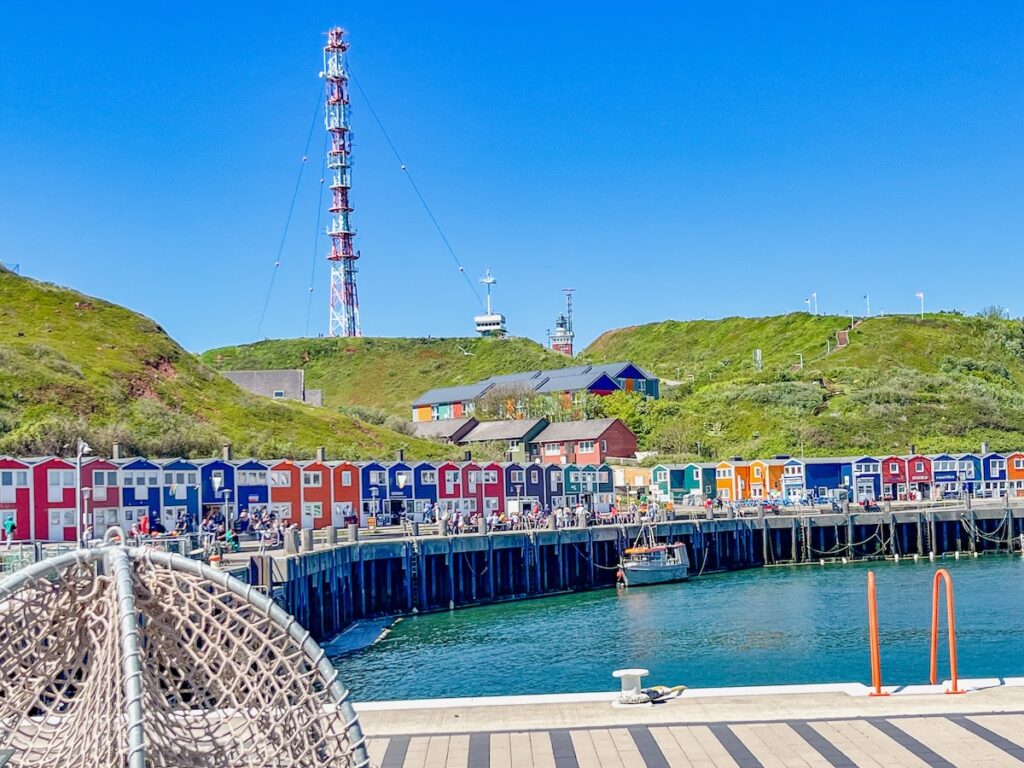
(759, 627)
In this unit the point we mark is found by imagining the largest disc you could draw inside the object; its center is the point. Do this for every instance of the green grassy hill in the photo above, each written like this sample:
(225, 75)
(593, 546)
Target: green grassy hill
(945, 382)
(387, 374)
(75, 366)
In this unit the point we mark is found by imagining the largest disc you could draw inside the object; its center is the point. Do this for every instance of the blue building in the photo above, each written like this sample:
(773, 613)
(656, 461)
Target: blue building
(424, 480)
(993, 473)
(215, 477)
(824, 477)
(554, 486)
(867, 479)
(373, 489)
(524, 483)
(253, 491)
(401, 490)
(946, 475)
(794, 485)
(140, 491)
(179, 495)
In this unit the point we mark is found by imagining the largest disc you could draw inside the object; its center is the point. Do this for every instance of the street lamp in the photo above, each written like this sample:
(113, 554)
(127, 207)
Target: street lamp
(87, 515)
(401, 480)
(82, 449)
(375, 506)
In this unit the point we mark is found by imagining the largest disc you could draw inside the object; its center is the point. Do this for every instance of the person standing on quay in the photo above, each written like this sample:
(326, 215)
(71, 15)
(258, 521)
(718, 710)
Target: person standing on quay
(10, 526)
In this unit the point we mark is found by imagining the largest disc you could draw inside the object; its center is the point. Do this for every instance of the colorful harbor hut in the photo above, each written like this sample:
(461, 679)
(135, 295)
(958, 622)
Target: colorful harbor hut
(867, 479)
(54, 511)
(945, 475)
(894, 478)
(316, 494)
(524, 486)
(759, 480)
(140, 491)
(919, 476)
(101, 495)
(373, 491)
(554, 486)
(217, 491)
(401, 490)
(969, 471)
(794, 483)
(449, 486)
(424, 481)
(346, 499)
(16, 495)
(179, 496)
(252, 491)
(286, 491)
(993, 472)
(825, 478)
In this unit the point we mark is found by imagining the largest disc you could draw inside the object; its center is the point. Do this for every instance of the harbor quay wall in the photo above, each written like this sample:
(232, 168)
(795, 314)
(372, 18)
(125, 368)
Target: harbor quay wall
(329, 587)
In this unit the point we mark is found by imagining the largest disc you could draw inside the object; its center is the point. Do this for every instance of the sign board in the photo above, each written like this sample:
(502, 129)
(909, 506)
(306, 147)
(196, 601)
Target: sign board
(371, 523)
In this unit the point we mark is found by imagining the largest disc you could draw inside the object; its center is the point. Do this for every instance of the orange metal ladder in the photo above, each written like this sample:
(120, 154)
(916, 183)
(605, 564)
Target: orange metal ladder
(943, 575)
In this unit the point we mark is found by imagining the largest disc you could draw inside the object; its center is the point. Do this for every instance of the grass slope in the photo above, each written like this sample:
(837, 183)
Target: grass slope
(943, 383)
(387, 374)
(72, 365)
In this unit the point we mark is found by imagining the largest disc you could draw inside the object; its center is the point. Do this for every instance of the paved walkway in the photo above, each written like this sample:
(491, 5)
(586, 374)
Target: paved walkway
(916, 731)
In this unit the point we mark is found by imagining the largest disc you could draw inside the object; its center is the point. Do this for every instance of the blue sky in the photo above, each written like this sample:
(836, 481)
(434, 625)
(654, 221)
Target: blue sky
(667, 160)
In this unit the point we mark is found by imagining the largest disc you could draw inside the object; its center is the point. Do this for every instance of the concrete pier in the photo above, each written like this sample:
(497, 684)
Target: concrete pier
(327, 585)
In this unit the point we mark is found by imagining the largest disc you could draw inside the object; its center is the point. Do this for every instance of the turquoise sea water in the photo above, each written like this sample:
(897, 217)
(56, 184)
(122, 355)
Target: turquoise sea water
(766, 626)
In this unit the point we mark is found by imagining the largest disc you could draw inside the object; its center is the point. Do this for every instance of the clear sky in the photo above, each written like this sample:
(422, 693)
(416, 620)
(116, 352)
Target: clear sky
(667, 160)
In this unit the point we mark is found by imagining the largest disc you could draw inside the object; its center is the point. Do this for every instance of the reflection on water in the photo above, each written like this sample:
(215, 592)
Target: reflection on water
(761, 627)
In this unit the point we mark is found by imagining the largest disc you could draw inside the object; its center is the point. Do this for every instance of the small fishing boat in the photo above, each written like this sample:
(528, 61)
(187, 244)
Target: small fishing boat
(647, 562)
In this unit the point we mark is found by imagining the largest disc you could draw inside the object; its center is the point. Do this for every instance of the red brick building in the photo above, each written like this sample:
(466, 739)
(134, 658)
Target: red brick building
(585, 442)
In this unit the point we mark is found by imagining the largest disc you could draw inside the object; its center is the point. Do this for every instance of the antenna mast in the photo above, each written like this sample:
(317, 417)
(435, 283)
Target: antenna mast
(344, 298)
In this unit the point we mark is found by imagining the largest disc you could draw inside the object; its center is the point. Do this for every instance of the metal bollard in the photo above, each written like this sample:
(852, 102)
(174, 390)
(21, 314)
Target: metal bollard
(353, 532)
(481, 525)
(306, 539)
(291, 542)
(551, 522)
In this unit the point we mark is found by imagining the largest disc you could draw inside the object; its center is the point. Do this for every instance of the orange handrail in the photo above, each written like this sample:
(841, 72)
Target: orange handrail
(943, 575)
(876, 654)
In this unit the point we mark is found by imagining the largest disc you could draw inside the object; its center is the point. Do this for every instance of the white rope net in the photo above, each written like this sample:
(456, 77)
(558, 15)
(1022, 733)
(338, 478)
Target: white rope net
(224, 681)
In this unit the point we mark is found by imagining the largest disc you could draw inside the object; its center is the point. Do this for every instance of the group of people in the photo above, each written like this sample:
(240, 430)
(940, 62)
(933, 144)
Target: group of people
(567, 516)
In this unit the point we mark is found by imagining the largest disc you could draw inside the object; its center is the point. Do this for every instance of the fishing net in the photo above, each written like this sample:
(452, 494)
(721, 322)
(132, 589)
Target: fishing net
(114, 657)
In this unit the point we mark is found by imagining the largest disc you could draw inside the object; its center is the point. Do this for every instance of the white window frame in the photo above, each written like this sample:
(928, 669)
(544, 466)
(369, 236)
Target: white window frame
(661, 476)
(517, 476)
(278, 394)
(378, 477)
(585, 446)
(428, 477)
(552, 449)
(490, 476)
(281, 478)
(346, 478)
(313, 479)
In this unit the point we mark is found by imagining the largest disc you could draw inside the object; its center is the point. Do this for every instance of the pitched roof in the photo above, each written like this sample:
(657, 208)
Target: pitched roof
(459, 394)
(588, 429)
(445, 429)
(516, 429)
(575, 383)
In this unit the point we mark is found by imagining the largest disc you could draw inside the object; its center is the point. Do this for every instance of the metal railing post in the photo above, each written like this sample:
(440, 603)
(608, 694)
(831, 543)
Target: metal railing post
(943, 575)
(876, 652)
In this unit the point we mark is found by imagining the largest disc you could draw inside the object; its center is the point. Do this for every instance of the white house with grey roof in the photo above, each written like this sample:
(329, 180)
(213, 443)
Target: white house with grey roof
(279, 385)
(603, 379)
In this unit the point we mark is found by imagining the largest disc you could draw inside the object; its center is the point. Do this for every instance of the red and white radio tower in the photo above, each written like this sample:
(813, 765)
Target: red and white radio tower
(343, 296)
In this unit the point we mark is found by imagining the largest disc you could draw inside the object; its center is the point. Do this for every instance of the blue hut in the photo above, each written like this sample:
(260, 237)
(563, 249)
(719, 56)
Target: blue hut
(217, 487)
(401, 490)
(424, 488)
(373, 490)
(179, 495)
(824, 477)
(515, 486)
(794, 485)
(993, 473)
(968, 468)
(554, 486)
(252, 492)
(867, 478)
(945, 474)
(140, 491)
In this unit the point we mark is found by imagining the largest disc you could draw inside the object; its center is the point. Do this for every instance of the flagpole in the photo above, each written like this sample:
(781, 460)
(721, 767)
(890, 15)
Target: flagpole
(867, 298)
